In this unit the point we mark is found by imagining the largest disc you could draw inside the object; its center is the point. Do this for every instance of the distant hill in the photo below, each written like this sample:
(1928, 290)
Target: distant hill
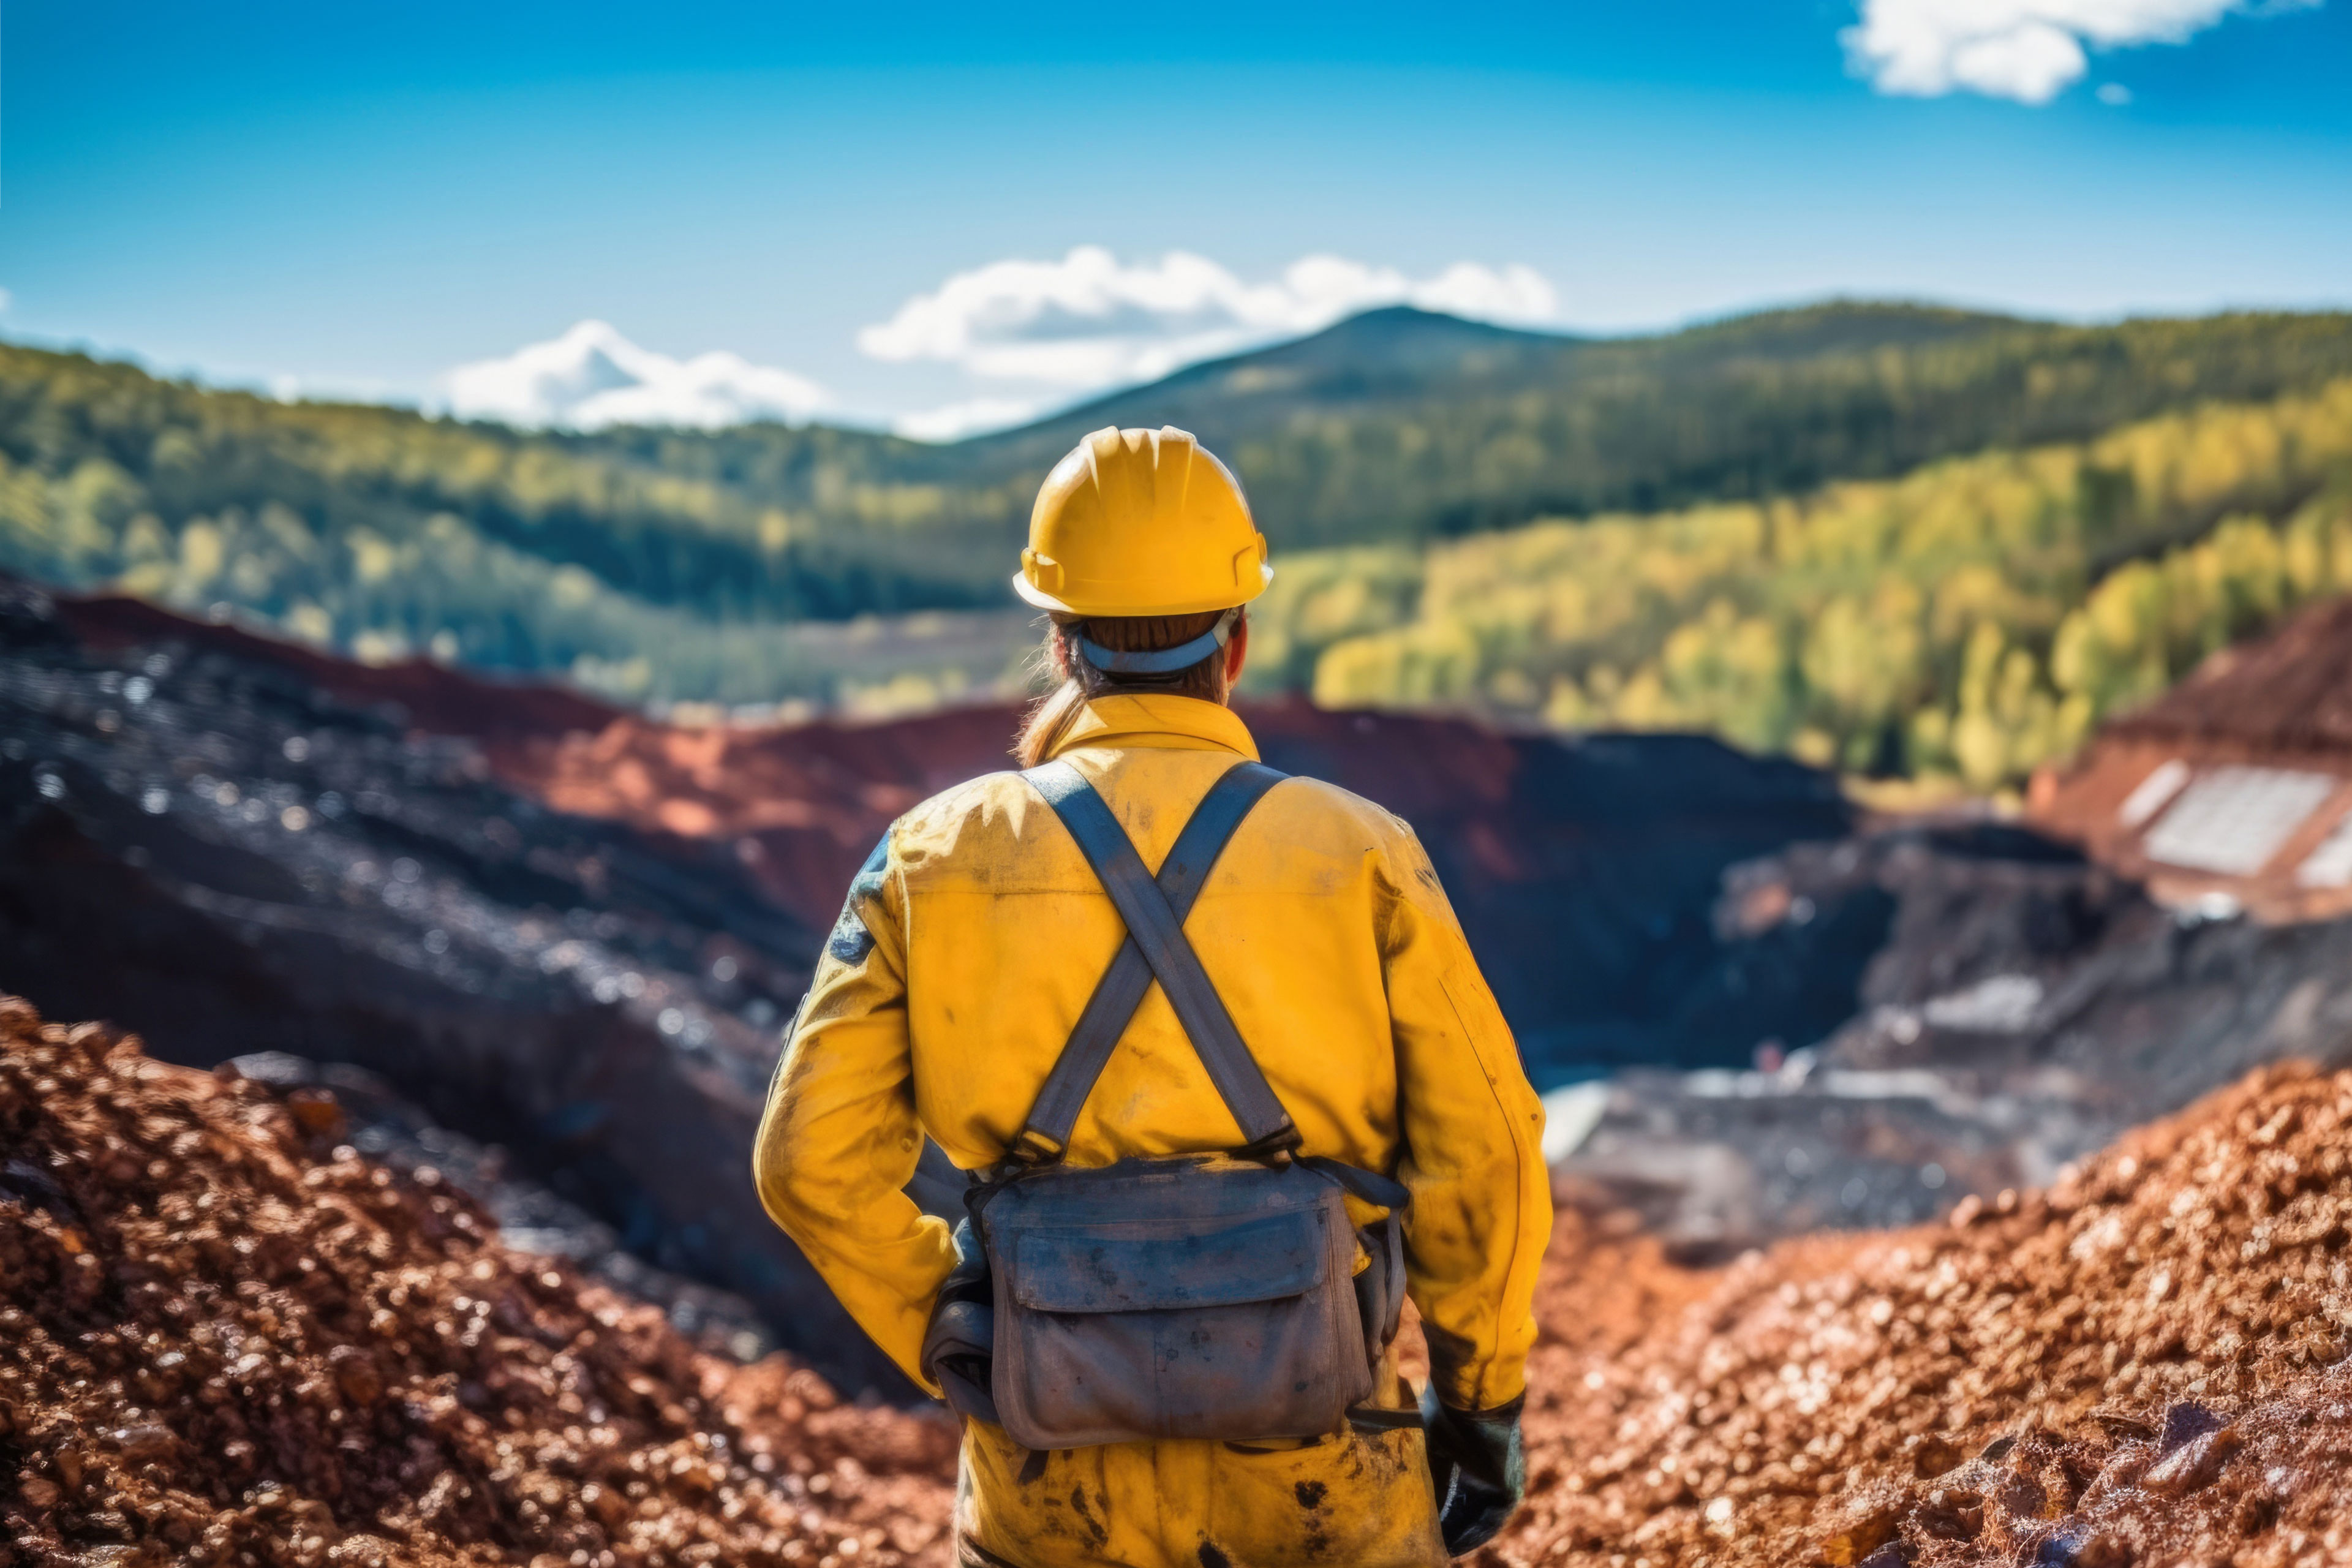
(687, 565)
(1325, 427)
(1399, 424)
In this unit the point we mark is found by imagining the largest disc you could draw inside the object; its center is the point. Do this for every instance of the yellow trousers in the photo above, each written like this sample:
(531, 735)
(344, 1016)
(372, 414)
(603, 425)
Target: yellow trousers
(1353, 1500)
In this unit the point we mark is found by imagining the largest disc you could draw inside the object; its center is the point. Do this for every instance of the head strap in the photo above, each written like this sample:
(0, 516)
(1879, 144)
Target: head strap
(1160, 660)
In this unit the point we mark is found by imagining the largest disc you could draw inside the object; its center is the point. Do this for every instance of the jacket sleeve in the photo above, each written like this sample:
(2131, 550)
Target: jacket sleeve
(1472, 1133)
(840, 1139)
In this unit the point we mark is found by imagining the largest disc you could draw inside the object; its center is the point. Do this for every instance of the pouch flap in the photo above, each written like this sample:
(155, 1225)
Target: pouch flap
(1260, 1258)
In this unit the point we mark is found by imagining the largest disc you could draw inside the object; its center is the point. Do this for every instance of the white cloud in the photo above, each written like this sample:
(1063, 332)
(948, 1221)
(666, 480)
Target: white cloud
(1091, 321)
(953, 421)
(592, 376)
(2023, 50)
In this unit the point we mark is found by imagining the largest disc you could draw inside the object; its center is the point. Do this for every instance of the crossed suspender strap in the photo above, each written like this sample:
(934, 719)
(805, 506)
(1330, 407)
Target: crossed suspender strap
(1154, 912)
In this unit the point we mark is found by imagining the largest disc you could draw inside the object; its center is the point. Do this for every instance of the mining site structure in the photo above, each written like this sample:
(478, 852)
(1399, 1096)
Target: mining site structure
(2234, 789)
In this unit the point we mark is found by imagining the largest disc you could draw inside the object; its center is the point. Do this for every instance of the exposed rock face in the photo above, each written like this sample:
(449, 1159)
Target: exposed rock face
(1583, 868)
(2018, 1007)
(2146, 1364)
(204, 842)
(225, 1338)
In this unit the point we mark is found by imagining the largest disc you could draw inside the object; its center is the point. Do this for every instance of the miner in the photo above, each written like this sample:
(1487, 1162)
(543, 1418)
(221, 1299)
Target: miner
(1226, 1082)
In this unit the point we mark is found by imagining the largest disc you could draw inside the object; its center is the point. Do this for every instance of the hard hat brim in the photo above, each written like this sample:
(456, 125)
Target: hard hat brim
(1045, 601)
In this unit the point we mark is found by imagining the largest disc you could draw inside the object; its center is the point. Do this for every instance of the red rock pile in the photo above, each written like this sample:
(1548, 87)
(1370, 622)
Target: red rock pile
(2146, 1365)
(225, 1339)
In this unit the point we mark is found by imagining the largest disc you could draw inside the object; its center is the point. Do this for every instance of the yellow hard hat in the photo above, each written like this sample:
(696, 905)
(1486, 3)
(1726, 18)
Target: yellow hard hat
(1141, 522)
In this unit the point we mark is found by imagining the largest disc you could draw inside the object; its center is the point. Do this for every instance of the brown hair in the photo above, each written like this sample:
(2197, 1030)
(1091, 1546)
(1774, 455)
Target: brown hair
(1081, 682)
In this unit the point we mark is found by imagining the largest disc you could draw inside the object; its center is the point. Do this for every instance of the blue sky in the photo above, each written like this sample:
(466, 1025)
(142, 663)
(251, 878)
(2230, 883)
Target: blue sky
(361, 198)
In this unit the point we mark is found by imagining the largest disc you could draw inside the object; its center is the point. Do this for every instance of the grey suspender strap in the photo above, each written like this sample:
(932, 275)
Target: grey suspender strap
(1182, 874)
(1156, 947)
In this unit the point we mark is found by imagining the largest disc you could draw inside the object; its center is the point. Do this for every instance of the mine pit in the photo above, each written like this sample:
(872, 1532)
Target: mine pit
(400, 1282)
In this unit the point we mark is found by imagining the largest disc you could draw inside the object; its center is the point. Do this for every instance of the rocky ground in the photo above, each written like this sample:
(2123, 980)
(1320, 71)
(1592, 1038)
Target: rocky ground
(2143, 1365)
(230, 1338)
(227, 1337)
(392, 1130)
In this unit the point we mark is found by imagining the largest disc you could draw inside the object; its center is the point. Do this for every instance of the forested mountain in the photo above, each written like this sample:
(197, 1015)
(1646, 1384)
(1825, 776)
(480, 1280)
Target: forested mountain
(1398, 424)
(668, 565)
(1402, 425)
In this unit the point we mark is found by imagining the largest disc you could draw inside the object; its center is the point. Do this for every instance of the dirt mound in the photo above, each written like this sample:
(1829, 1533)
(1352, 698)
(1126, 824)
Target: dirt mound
(430, 697)
(225, 1338)
(2288, 691)
(2145, 1365)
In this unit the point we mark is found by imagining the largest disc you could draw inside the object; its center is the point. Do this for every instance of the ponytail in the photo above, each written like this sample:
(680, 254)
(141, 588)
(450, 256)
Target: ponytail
(1048, 721)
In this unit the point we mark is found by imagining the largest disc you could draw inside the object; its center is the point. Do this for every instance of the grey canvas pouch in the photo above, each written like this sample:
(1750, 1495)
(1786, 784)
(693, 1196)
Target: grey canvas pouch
(1174, 1298)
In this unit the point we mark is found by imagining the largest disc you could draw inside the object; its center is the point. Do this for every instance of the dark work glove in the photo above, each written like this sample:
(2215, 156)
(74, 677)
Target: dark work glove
(1479, 1469)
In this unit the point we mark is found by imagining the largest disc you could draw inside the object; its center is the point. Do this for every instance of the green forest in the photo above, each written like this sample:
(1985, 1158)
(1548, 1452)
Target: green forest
(1888, 536)
(1967, 621)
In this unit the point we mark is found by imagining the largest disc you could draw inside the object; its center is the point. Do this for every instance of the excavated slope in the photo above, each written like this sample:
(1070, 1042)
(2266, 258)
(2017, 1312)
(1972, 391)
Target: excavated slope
(2145, 1365)
(224, 1338)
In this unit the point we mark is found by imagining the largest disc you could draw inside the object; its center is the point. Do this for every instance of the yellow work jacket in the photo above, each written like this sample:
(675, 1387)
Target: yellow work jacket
(967, 950)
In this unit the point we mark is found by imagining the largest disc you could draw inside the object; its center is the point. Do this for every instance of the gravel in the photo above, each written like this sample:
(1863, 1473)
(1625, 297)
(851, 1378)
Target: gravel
(2142, 1365)
(225, 1337)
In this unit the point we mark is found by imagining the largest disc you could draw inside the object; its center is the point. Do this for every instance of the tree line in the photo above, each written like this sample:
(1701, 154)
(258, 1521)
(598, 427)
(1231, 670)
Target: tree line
(729, 566)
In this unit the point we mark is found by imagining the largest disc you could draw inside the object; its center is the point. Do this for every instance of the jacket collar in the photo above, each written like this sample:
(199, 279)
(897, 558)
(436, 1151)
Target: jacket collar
(1157, 722)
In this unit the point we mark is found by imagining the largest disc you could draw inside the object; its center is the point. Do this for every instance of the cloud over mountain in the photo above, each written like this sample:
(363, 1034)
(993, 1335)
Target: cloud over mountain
(1027, 336)
(1091, 321)
(592, 376)
(2027, 50)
